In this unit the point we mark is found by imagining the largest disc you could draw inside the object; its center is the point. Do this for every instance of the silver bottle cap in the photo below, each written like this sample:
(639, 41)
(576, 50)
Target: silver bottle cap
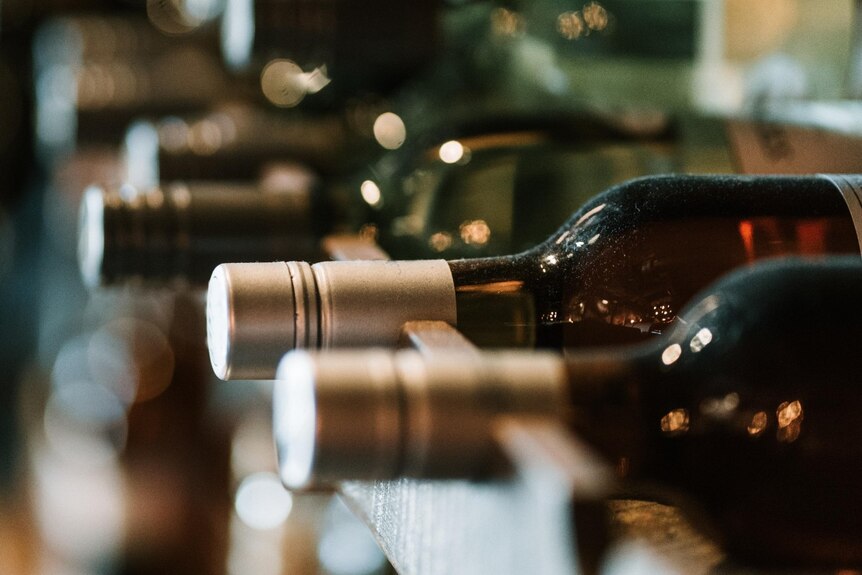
(257, 312)
(182, 231)
(376, 414)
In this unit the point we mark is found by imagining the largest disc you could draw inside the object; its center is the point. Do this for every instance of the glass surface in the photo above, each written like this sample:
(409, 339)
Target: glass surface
(630, 259)
(500, 192)
(748, 407)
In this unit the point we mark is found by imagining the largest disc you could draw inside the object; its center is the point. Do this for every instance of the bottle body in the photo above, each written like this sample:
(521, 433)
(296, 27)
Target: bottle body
(234, 141)
(747, 409)
(629, 260)
(181, 232)
(418, 208)
(745, 413)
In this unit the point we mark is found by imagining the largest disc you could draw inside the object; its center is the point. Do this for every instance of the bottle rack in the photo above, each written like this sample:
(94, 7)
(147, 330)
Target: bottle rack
(551, 505)
(551, 511)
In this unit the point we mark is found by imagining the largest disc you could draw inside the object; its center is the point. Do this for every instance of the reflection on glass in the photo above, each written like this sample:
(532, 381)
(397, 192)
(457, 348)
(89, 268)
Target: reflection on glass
(475, 232)
(441, 241)
(205, 138)
(173, 134)
(370, 192)
(700, 340)
(505, 22)
(282, 82)
(671, 354)
(570, 25)
(390, 131)
(789, 416)
(577, 24)
(369, 232)
(451, 152)
(595, 16)
(758, 424)
(720, 407)
(675, 422)
(788, 412)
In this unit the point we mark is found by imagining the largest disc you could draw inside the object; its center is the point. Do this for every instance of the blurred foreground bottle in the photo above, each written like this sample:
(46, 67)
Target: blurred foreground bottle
(745, 412)
(619, 270)
(129, 466)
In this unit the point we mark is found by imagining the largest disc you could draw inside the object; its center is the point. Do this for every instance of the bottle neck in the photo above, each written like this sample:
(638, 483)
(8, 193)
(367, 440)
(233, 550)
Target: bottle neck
(183, 231)
(498, 300)
(605, 390)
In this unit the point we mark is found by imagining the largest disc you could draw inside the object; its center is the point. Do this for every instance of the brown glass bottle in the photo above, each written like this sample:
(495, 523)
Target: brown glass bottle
(624, 265)
(745, 413)
(748, 409)
(618, 270)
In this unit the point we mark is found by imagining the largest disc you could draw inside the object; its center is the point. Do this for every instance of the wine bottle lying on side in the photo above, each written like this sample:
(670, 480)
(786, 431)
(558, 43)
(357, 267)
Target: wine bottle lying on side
(465, 188)
(747, 407)
(618, 271)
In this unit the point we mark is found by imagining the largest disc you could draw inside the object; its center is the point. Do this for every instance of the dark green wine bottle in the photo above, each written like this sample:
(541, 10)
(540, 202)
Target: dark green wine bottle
(416, 201)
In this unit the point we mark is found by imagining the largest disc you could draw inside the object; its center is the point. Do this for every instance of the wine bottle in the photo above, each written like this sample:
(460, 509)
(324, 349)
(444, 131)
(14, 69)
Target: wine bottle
(95, 74)
(745, 411)
(234, 141)
(413, 201)
(618, 270)
(182, 231)
(327, 50)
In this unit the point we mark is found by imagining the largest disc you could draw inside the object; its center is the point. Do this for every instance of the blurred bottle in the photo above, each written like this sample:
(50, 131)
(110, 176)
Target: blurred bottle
(127, 381)
(488, 184)
(327, 50)
(94, 74)
(179, 233)
(418, 200)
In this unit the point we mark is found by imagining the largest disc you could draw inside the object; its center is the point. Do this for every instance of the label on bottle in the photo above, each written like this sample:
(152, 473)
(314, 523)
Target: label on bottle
(851, 189)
